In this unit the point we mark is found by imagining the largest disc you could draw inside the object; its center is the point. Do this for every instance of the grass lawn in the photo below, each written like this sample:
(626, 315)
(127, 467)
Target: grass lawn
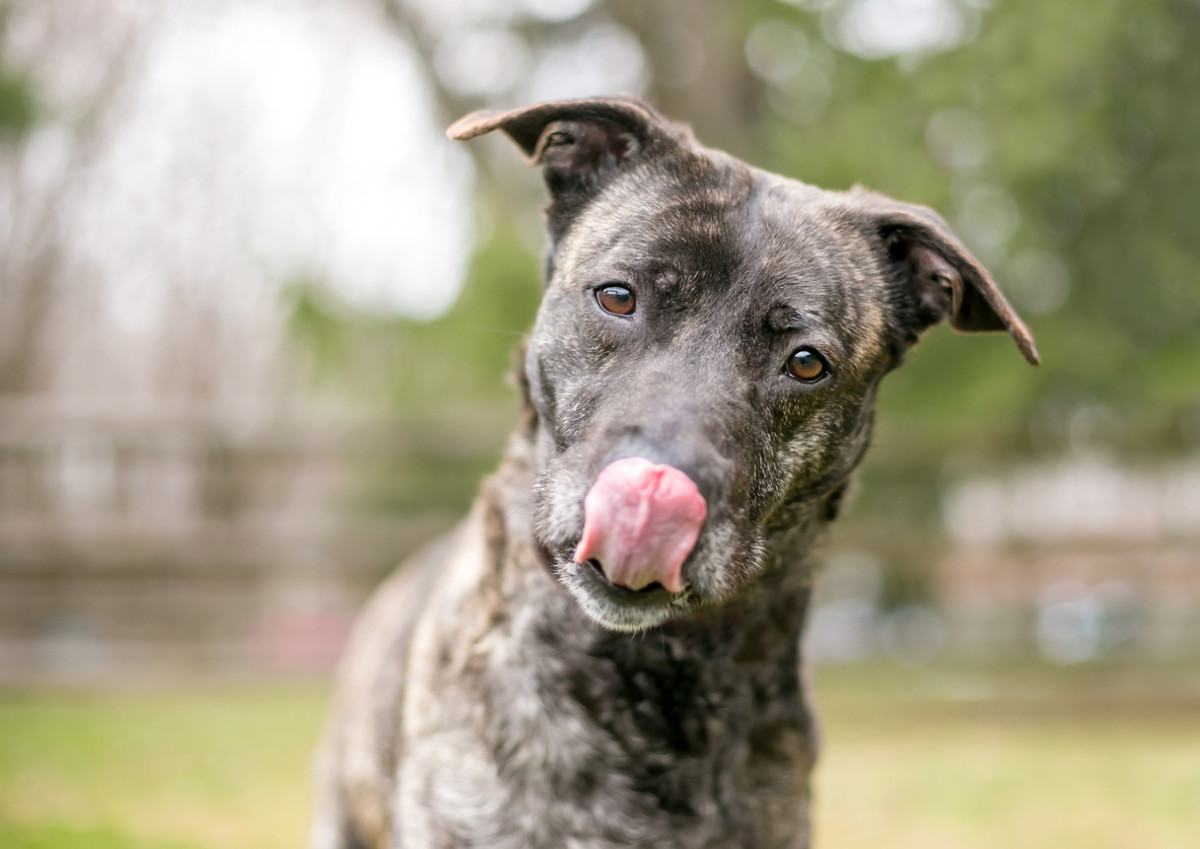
(1092, 757)
(948, 755)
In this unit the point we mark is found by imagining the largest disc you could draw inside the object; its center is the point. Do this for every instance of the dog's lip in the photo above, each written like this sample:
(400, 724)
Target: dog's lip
(560, 557)
(595, 567)
(593, 580)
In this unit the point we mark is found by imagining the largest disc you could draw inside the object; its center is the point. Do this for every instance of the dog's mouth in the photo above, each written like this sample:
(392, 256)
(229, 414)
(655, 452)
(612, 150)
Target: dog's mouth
(641, 521)
(654, 592)
(619, 608)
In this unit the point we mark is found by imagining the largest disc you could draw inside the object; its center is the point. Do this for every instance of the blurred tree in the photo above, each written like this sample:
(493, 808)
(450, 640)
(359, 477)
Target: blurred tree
(18, 111)
(18, 99)
(34, 197)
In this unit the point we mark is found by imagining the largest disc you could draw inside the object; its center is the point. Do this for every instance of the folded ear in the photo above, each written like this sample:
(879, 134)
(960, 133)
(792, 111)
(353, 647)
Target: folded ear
(580, 144)
(935, 276)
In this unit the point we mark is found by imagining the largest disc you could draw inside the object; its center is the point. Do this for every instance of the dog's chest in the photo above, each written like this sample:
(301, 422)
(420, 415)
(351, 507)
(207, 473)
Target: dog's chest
(576, 744)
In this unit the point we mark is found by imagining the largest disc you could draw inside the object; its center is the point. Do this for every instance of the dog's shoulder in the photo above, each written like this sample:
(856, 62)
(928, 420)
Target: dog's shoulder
(362, 748)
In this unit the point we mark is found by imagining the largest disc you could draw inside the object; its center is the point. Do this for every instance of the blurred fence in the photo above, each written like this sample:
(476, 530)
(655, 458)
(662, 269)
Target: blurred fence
(168, 540)
(1075, 558)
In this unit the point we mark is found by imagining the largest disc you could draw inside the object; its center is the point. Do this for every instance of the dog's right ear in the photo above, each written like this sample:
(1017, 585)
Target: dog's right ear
(580, 144)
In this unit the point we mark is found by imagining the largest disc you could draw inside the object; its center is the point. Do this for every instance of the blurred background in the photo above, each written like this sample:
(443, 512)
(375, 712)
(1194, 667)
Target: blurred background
(256, 316)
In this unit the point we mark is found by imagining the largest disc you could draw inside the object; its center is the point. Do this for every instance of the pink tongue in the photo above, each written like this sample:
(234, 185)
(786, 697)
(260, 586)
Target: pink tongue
(640, 522)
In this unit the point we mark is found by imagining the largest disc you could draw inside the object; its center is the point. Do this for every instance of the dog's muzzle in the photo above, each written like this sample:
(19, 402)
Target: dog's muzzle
(641, 521)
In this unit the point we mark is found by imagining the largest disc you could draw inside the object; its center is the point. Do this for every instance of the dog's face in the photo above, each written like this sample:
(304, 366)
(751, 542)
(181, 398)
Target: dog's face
(704, 364)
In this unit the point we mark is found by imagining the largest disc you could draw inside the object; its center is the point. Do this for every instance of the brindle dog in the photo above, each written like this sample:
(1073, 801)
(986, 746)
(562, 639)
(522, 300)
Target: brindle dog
(607, 652)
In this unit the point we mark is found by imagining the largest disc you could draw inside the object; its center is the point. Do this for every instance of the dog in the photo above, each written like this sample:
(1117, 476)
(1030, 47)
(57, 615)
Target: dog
(607, 652)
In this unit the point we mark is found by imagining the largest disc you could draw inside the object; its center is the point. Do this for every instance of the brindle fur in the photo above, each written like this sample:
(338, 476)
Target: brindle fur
(496, 694)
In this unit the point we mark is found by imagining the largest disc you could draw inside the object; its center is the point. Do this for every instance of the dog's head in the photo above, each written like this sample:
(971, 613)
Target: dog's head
(704, 364)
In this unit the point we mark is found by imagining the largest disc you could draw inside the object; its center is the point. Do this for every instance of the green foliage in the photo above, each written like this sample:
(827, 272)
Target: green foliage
(401, 365)
(1089, 119)
(18, 105)
(18, 98)
(447, 379)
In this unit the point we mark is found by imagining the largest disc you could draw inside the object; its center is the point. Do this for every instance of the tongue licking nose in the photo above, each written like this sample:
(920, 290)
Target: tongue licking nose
(640, 522)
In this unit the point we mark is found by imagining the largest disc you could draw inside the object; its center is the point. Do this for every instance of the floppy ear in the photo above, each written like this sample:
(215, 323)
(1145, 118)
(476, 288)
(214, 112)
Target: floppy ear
(580, 144)
(934, 275)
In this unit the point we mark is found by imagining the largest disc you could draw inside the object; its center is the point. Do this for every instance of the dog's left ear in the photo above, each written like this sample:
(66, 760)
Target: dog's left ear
(936, 277)
(580, 144)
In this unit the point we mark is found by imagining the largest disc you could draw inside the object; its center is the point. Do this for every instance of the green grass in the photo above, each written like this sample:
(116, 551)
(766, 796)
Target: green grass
(950, 755)
(184, 770)
(1095, 757)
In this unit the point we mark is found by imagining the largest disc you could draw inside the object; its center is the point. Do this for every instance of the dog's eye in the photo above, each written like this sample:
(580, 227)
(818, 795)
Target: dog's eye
(616, 299)
(806, 366)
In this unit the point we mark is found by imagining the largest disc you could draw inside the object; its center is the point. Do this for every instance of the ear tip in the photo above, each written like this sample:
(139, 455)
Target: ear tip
(471, 125)
(1028, 349)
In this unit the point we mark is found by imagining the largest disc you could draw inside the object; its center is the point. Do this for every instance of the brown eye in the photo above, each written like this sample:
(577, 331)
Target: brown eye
(616, 299)
(806, 366)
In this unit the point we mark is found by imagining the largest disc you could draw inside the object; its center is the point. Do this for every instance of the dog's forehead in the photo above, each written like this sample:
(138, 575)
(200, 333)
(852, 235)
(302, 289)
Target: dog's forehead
(721, 227)
(722, 215)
